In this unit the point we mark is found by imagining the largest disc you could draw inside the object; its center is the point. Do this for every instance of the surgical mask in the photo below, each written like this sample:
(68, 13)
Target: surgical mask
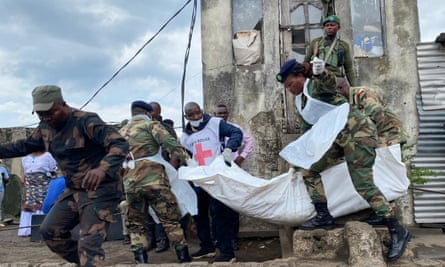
(195, 123)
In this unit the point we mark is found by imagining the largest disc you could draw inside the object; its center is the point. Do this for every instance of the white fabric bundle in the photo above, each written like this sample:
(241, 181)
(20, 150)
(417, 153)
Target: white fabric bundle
(284, 198)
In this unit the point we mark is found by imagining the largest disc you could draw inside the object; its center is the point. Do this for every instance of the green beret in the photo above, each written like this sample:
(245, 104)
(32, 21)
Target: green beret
(331, 18)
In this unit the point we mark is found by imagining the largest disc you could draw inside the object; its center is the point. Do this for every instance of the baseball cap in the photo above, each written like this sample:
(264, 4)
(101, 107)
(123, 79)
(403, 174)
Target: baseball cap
(44, 97)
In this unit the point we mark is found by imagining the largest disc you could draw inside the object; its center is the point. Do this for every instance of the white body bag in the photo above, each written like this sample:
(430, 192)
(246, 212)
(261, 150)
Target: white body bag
(284, 198)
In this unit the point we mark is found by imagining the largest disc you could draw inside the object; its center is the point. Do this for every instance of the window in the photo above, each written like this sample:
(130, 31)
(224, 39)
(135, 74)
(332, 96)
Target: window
(305, 26)
(247, 18)
(247, 15)
(367, 28)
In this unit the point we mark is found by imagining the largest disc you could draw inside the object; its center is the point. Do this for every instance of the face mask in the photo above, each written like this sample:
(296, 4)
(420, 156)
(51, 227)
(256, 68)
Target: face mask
(195, 123)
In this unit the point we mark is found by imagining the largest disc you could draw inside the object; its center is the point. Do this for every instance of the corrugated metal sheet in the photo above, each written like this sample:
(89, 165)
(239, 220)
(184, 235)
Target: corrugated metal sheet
(429, 207)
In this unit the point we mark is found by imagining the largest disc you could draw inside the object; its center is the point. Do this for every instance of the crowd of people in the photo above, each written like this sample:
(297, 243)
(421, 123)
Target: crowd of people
(103, 167)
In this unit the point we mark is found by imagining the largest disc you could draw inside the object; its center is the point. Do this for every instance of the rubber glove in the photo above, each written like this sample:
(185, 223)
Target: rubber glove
(227, 155)
(317, 66)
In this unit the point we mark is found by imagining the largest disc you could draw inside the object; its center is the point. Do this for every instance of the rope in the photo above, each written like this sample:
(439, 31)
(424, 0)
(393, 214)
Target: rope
(426, 190)
(18, 227)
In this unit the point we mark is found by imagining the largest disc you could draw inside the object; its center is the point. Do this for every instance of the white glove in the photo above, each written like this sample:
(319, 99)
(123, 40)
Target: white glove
(192, 163)
(317, 66)
(227, 155)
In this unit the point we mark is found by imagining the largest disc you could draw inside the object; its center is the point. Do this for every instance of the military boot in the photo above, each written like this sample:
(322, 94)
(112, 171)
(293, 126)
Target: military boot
(162, 242)
(162, 245)
(323, 219)
(182, 252)
(151, 236)
(375, 220)
(140, 256)
(399, 239)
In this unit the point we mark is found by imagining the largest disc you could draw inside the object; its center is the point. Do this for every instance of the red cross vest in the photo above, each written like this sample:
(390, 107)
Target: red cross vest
(204, 145)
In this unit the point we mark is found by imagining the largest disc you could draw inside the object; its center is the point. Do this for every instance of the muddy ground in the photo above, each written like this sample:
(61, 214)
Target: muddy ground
(18, 249)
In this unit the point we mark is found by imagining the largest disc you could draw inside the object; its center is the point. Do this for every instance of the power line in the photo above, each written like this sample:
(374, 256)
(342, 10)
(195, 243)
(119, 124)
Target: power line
(135, 55)
(186, 58)
(130, 60)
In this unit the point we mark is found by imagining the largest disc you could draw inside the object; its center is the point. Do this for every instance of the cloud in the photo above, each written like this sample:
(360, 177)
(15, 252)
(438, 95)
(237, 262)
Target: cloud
(80, 45)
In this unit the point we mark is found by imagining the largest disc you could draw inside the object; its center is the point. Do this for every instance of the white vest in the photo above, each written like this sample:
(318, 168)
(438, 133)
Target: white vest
(205, 144)
(314, 108)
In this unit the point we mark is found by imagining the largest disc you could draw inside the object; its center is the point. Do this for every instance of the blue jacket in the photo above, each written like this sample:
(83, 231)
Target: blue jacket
(55, 188)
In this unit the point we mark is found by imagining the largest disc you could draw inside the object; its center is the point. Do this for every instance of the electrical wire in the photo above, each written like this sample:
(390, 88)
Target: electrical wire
(132, 58)
(135, 55)
(186, 58)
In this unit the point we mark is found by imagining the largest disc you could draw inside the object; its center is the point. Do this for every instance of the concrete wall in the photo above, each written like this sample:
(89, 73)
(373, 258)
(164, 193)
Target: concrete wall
(13, 165)
(396, 72)
(250, 92)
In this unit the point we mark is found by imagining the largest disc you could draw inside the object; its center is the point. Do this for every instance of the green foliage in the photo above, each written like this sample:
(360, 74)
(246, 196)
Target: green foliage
(416, 175)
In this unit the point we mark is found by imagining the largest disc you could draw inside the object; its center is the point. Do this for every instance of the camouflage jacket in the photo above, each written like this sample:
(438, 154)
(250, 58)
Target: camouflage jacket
(145, 139)
(84, 143)
(389, 126)
(340, 60)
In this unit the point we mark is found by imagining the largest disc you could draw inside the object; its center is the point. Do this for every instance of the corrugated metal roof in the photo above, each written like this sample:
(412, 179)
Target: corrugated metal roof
(429, 205)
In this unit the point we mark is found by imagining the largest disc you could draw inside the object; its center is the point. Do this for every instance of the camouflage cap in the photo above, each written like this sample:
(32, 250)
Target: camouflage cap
(44, 97)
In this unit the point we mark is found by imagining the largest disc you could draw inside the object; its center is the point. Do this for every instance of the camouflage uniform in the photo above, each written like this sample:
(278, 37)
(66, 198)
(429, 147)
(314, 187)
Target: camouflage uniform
(340, 60)
(356, 142)
(148, 185)
(84, 143)
(389, 126)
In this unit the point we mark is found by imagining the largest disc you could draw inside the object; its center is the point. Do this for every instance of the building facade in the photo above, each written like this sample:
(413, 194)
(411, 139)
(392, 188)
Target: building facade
(382, 35)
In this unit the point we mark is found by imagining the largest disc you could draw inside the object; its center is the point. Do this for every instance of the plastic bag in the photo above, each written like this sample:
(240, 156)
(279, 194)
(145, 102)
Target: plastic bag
(247, 47)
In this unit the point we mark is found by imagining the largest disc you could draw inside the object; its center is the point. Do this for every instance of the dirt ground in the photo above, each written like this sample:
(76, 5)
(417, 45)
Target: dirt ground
(18, 249)
(427, 244)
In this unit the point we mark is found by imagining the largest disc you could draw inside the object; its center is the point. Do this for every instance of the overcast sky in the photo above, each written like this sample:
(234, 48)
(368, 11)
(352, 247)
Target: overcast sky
(80, 44)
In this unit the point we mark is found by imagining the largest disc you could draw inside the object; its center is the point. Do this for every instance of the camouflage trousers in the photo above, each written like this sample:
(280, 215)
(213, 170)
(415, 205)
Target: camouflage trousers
(93, 216)
(356, 143)
(163, 202)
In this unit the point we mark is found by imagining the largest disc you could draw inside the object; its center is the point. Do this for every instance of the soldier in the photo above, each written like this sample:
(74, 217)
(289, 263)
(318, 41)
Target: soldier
(147, 184)
(156, 232)
(332, 50)
(389, 126)
(90, 154)
(356, 142)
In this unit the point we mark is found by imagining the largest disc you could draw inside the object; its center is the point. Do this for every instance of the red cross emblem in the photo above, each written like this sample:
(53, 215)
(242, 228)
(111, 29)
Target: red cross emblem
(201, 155)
